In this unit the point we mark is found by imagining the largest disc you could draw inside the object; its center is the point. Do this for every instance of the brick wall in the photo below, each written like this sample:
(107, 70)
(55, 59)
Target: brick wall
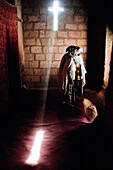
(43, 47)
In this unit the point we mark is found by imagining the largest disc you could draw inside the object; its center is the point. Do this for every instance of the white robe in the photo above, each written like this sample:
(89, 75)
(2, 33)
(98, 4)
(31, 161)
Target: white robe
(76, 61)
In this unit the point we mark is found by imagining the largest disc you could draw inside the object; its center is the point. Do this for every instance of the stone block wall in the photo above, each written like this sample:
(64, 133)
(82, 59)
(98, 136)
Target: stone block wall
(43, 47)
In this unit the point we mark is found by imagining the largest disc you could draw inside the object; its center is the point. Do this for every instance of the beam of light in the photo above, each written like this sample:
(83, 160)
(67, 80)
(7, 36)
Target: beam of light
(55, 9)
(35, 151)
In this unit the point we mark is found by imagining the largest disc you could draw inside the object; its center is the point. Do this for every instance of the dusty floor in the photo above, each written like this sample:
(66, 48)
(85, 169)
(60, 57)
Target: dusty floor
(69, 141)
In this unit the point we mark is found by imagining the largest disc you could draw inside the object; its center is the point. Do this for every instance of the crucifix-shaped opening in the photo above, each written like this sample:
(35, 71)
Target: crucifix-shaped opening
(55, 9)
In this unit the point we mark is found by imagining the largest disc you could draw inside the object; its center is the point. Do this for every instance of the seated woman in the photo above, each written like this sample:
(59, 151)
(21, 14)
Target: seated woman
(71, 76)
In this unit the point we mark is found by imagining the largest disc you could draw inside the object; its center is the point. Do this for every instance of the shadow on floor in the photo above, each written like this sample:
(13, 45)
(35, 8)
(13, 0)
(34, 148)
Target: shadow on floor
(69, 143)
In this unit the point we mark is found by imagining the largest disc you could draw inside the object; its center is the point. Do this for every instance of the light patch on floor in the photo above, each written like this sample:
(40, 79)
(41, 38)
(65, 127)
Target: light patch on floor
(35, 151)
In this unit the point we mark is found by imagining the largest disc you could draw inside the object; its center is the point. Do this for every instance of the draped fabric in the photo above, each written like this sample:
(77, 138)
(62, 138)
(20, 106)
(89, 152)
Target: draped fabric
(68, 63)
(9, 60)
(3, 64)
(62, 75)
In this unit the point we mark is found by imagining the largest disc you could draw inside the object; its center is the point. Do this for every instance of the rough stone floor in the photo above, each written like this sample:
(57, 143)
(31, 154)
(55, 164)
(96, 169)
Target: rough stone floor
(69, 140)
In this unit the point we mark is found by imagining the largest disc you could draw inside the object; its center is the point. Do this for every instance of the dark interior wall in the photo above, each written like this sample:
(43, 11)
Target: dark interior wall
(96, 54)
(96, 45)
(100, 15)
(108, 114)
(11, 2)
(109, 99)
(109, 14)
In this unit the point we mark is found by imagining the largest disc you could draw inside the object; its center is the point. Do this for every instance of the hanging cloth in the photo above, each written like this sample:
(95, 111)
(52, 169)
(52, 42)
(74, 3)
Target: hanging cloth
(8, 18)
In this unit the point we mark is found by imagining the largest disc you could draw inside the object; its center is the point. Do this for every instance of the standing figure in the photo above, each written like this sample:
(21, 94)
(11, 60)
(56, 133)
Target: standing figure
(71, 76)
